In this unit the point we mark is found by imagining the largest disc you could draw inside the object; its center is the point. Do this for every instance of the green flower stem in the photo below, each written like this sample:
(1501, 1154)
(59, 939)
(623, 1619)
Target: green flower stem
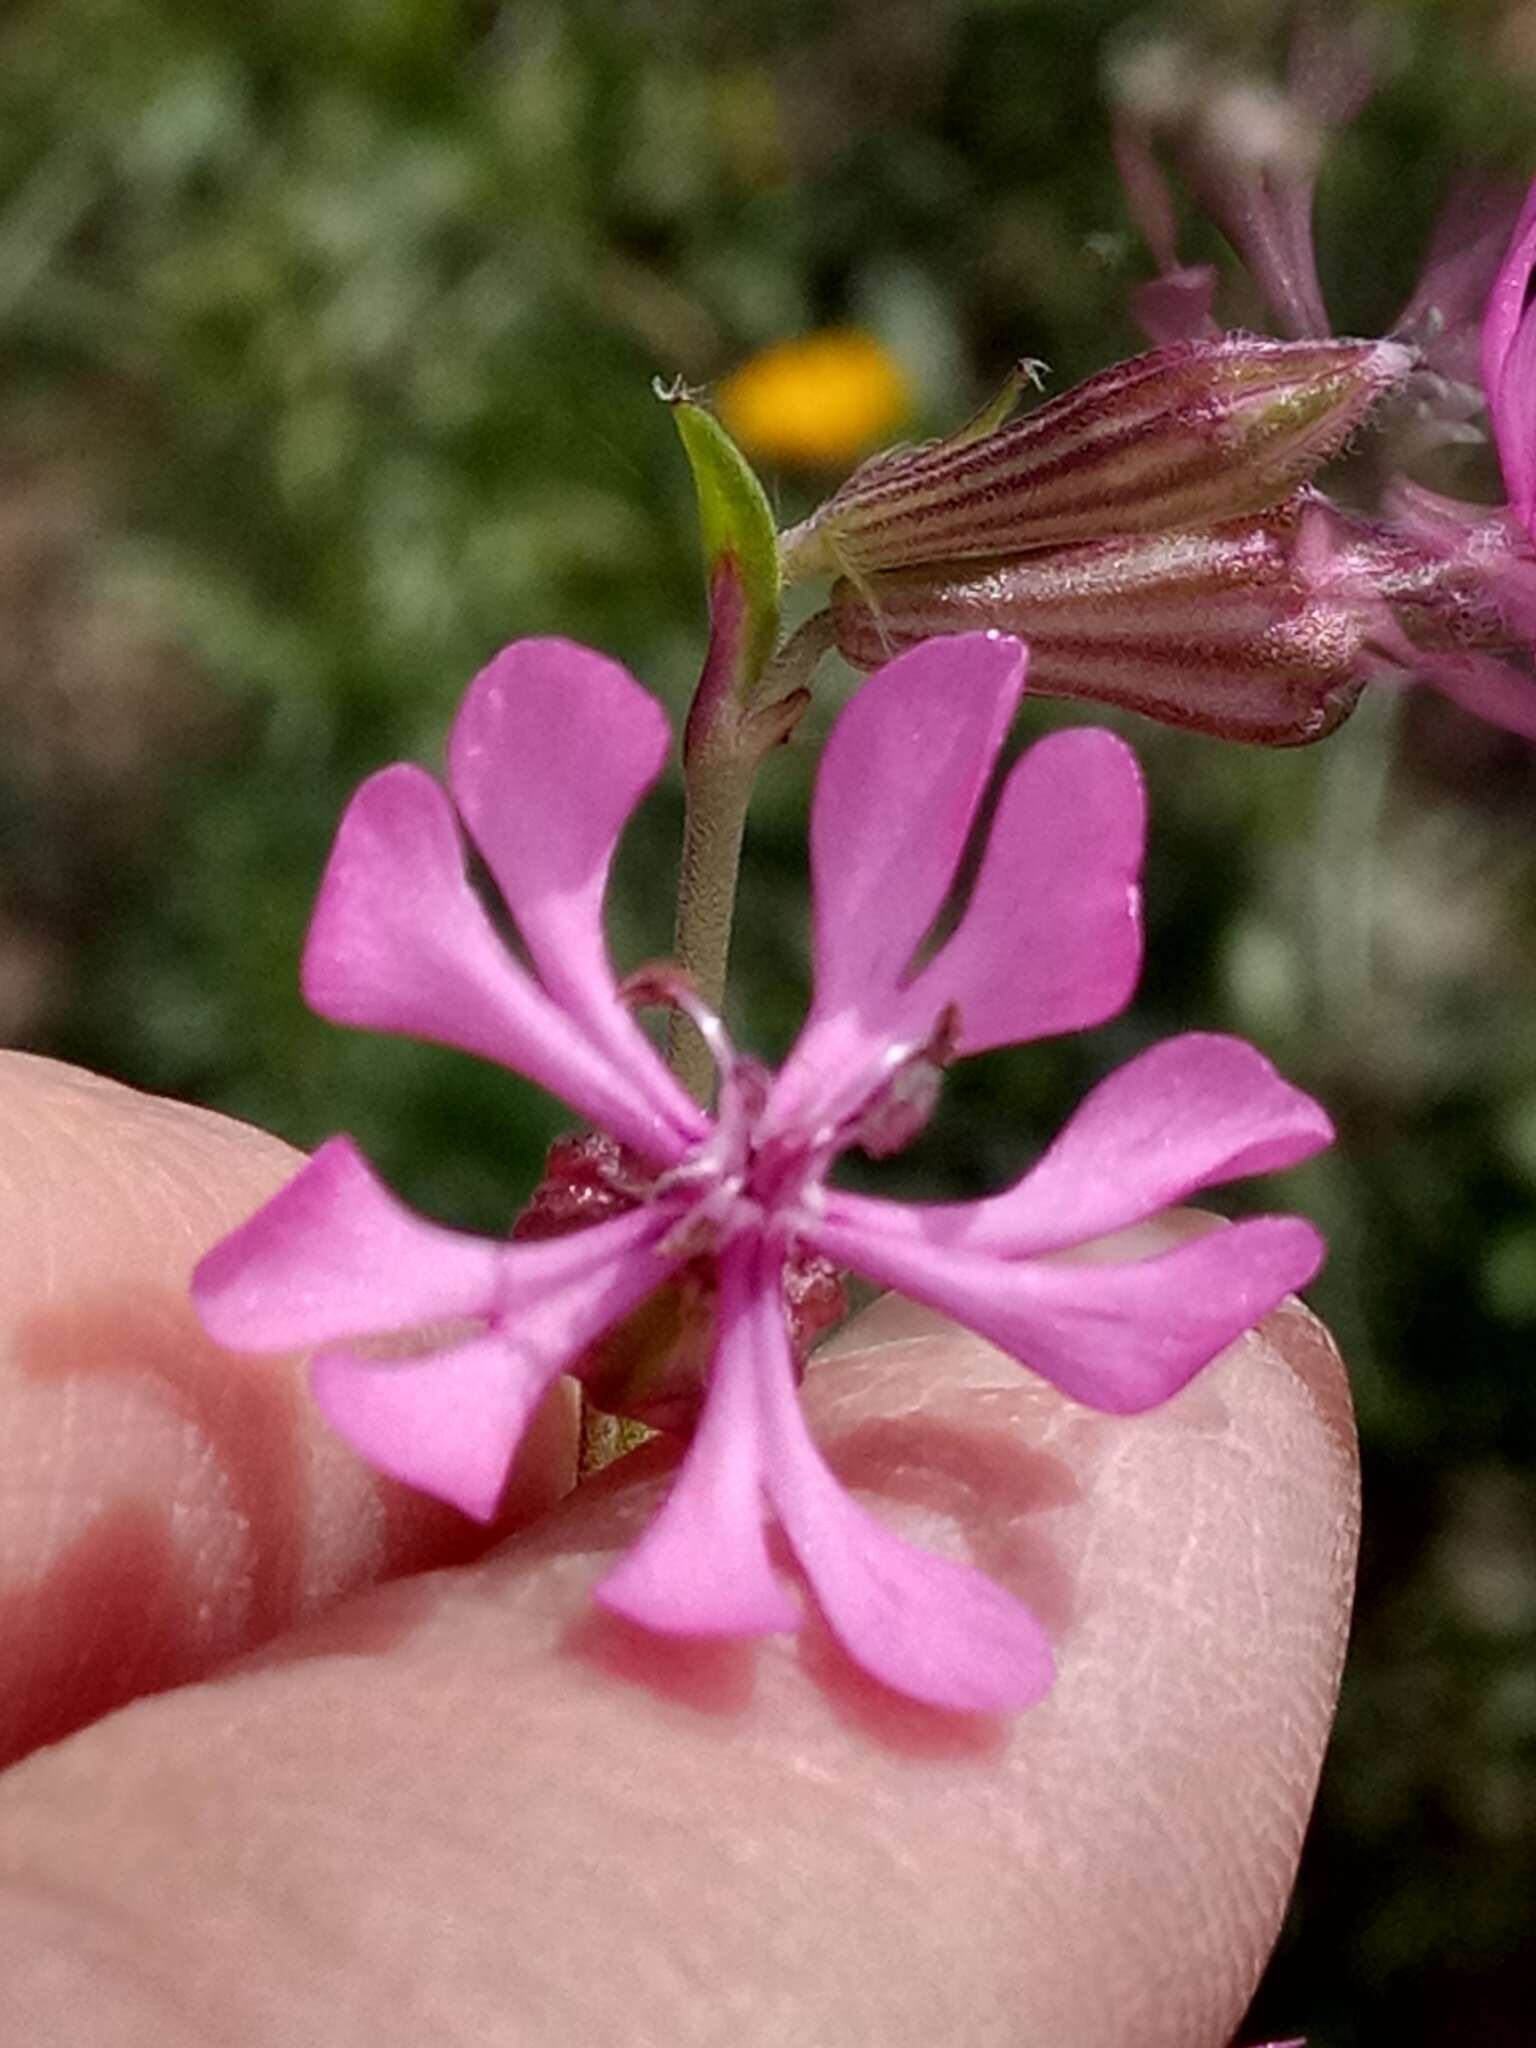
(717, 790)
(723, 749)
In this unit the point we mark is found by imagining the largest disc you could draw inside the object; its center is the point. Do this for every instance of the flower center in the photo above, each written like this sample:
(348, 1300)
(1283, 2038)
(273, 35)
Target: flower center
(744, 1176)
(737, 1178)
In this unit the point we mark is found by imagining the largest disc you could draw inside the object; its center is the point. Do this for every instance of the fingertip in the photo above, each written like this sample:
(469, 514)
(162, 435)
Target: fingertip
(1195, 1566)
(760, 1841)
(164, 1503)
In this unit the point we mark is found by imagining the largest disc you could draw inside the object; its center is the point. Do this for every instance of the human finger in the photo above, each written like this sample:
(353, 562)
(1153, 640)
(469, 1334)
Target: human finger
(163, 1504)
(468, 1808)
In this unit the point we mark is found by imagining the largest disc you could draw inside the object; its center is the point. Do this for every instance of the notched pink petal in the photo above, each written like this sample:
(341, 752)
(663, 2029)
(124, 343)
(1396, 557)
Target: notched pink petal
(558, 1295)
(896, 795)
(1122, 1337)
(1051, 938)
(1187, 1114)
(334, 1255)
(1509, 364)
(447, 1423)
(937, 1631)
(400, 942)
(552, 749)
(1507, 302)
(702, 1567)
(1512, 406)
(551, 752)
(1467, 249)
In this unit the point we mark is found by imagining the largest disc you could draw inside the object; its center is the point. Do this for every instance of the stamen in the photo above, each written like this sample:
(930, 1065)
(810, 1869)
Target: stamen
(661, 984)
(706, 1224)
(895, 1111)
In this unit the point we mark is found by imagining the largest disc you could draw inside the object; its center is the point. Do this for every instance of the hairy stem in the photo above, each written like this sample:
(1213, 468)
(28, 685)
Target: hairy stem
(723, 749)
(717, 790)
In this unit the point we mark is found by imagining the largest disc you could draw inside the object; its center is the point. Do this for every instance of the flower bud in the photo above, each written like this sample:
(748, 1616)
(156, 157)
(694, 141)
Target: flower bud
(1262, 629)
(1191, 435)
(1210, 629)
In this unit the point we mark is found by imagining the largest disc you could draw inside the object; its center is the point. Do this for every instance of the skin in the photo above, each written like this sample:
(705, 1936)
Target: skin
(385, 1779)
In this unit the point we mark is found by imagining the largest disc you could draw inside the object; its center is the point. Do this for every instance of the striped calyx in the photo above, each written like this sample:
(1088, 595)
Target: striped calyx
(1262, 629)
(1195, 434)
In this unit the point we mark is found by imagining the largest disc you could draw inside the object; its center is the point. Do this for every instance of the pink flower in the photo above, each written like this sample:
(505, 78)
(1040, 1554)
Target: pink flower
(1509, 366)
(552, 750)
(1440, 591)
(1250, 154)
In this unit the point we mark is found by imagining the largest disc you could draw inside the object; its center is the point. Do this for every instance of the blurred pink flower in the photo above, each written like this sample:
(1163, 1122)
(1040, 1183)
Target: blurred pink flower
(1249, 154)
(1464, 573)
(552, 750)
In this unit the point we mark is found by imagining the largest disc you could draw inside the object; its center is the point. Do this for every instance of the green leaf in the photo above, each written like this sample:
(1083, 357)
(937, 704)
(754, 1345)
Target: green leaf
(741, 546)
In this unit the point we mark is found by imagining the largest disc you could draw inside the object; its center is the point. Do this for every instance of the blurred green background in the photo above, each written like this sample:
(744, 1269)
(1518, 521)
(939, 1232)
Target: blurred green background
(326, 336)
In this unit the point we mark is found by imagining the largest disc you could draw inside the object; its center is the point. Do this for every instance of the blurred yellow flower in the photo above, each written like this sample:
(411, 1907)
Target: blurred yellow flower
(818, 401)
